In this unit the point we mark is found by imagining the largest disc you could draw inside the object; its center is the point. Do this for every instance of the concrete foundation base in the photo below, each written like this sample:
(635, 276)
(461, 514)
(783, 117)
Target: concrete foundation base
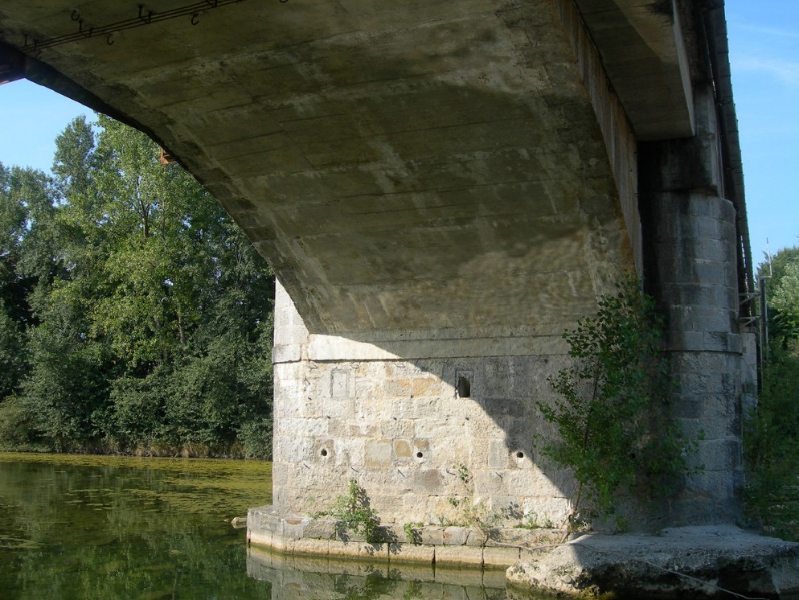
(497, 548)
(686, 562)
(303, 577)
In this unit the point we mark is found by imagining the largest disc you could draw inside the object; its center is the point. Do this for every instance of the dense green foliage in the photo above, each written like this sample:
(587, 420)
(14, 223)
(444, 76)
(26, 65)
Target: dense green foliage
(771, 439)
(782, 294)
(613, 430)
(134, 314)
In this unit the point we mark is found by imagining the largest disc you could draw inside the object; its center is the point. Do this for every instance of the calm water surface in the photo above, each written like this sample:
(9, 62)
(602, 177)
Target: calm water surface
(86, 527)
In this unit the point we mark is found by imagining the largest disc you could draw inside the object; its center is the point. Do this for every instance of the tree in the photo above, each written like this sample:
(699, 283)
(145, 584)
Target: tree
(148, 313)
(781, 278)
(612, 418)
(771, 436)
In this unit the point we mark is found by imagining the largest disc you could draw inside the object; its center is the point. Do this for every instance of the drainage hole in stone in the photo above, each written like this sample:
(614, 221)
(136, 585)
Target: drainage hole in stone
(419, 455)
(323, 452)
(464, 387)
(520, 454)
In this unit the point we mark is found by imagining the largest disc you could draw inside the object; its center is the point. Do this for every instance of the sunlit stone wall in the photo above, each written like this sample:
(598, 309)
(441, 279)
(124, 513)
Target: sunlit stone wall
(400, 416)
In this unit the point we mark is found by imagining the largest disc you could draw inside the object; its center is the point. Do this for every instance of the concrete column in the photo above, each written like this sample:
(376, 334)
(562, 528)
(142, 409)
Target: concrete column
(690, 267)
(692, 273)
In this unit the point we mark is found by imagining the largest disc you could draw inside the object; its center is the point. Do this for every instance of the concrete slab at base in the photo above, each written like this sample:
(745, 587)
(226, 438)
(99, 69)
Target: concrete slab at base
(686, 562)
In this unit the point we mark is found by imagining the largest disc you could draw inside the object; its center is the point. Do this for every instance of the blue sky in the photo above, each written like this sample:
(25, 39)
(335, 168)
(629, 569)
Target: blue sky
(764, 54)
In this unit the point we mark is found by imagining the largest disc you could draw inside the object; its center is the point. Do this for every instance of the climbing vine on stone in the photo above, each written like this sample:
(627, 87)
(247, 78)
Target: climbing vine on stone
(612, 418)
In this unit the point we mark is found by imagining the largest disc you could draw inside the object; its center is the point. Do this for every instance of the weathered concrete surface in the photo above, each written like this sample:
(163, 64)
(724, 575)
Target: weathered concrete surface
(688, 562)
(408, 165)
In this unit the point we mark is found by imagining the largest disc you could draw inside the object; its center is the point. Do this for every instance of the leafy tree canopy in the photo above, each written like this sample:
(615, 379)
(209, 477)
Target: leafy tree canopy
(135, 315)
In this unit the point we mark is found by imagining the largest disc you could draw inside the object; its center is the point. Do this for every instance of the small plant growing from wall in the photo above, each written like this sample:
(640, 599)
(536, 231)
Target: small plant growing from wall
(412, 533)
(612, 416)
(475, 515)
(352, 512)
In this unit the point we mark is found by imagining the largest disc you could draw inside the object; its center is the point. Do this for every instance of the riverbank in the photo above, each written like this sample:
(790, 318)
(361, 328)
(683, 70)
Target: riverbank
(233, 452)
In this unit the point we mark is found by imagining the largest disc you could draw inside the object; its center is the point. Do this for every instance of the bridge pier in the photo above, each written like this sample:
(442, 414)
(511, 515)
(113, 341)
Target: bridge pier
(428, 423)
(692, 268)
(696, 288)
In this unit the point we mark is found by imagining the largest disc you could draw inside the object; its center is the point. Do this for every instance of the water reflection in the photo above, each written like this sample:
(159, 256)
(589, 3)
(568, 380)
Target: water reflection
(87, 527)
(295, 578)
(104, 527)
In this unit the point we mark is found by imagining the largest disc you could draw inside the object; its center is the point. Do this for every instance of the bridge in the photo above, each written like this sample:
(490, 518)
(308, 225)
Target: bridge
(443, 188)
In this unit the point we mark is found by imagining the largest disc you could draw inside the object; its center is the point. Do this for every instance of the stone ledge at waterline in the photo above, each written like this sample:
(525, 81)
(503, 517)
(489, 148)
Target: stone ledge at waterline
(690, 562)
(454, 546)
(684, 562)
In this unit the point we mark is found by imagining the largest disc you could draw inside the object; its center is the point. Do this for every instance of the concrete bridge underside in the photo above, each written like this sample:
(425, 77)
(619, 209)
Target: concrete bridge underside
(442, 188)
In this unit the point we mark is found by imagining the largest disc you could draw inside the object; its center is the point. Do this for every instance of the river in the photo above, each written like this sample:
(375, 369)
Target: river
(99, 527)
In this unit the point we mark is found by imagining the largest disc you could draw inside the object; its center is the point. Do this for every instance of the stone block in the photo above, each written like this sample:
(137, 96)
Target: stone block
(402, 449)
(304, 426)
(500, 558)
(377, 453)
(434, 428)
(515, 536)
(720, 454)
(358, 550)
(313, 547)
(263, 518)
(398, 388)
(286, 353)
(455, 536)
(322, 528)
(497, 454)
(433, 536)
(422, 450)
(400, 552)
(458, 555)
(392, 533)
(424, 387)
(688, 406)
(350, 536)
(475, 538)
(491, 481)
(397, 428)
(261, 537)
(293, 527)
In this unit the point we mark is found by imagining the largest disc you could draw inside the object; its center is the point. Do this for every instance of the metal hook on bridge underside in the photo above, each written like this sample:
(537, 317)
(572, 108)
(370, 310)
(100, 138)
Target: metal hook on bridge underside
(148, 18)
(195, 18)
